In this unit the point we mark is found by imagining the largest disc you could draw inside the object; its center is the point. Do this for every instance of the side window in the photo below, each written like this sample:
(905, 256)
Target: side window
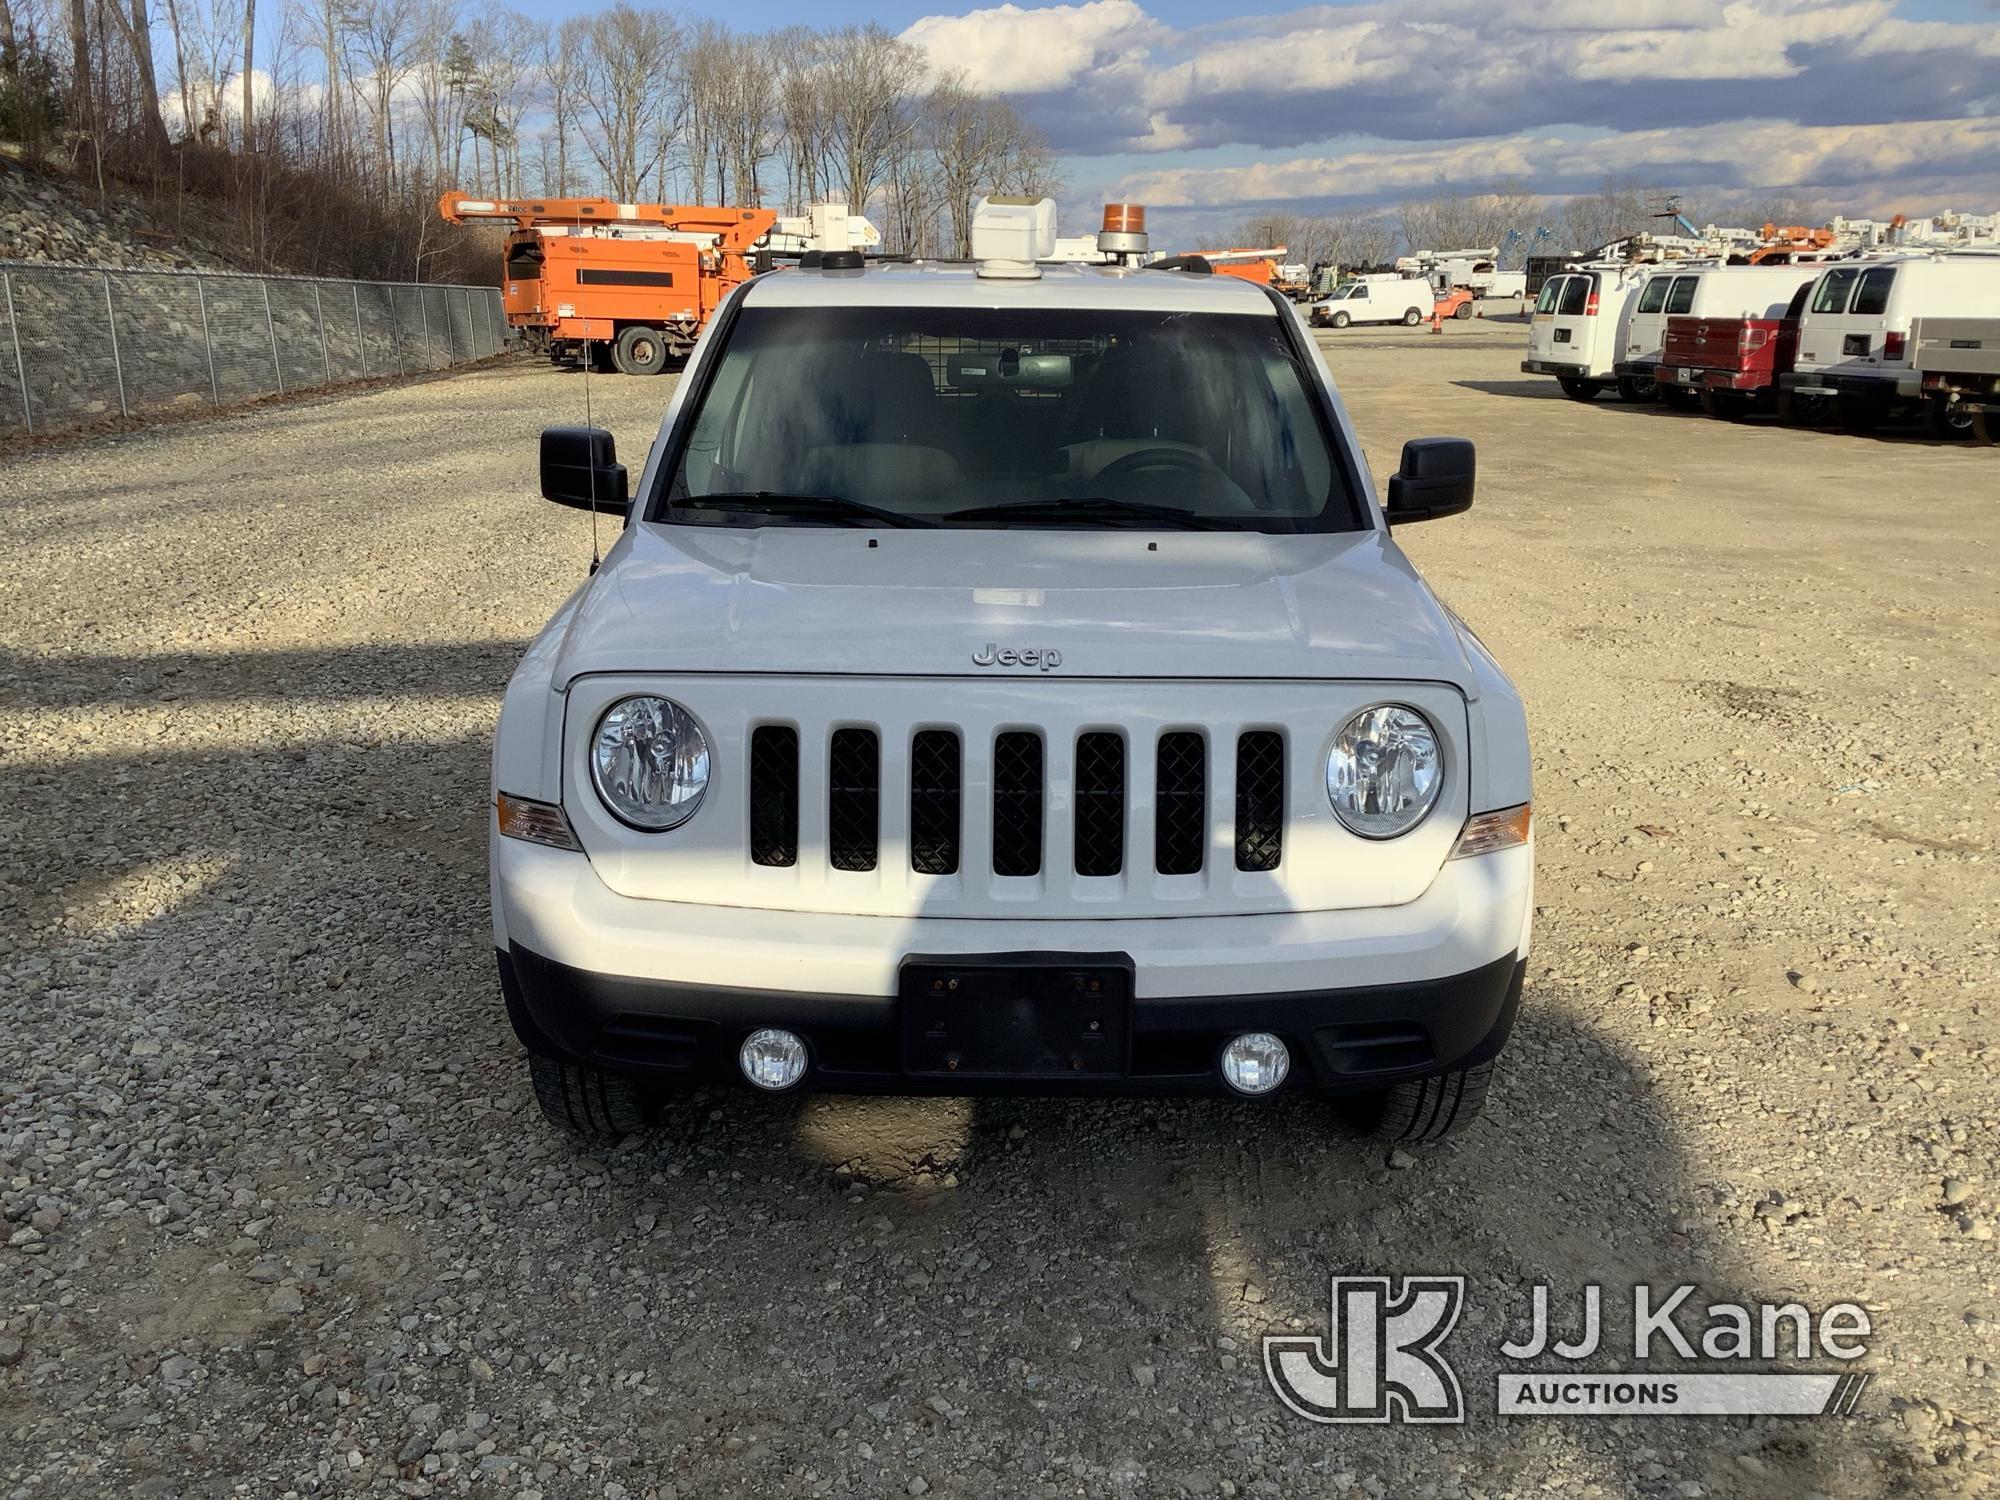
(1576, 296)
(1833, 289)
(1361, 293)
(1681, 298)
(1872, 294)
(1655, 296)
(1551, 289)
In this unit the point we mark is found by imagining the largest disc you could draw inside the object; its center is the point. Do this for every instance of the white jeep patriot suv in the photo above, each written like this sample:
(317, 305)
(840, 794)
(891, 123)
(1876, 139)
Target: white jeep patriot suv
(1007, 680)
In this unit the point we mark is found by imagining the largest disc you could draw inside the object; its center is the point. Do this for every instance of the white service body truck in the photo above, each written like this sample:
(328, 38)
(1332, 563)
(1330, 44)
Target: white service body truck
(1007, 679)
(1854, 335)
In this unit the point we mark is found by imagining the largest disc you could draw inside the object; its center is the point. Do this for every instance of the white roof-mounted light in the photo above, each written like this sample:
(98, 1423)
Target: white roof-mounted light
(1010, 234)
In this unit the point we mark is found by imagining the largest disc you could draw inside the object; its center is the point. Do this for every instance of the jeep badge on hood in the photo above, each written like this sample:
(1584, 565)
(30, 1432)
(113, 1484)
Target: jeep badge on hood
(991, 655)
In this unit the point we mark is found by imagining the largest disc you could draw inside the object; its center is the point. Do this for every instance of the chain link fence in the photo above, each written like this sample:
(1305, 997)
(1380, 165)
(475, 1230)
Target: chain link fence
(78, 342)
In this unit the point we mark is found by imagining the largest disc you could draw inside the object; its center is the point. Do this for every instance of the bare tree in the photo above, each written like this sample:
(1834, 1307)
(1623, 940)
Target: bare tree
(1592, 221)
(869, 101)
(381, 33)
(1359, 242)
(562, 69)
(629, 92)
(979, 144)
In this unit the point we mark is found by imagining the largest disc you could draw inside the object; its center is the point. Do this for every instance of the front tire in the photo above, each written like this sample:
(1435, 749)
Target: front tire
(595, 1107)
(640, 351)
(1341, 320)
(1576, 389)
(1422, 1109)
(1463, 310)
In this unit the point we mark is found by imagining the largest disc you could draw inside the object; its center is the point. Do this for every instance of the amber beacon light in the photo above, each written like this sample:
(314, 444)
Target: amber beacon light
(1124, 231)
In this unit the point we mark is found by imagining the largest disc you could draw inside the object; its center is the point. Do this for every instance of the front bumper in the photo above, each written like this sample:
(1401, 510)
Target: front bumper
(672, 987)
(1353, 1039)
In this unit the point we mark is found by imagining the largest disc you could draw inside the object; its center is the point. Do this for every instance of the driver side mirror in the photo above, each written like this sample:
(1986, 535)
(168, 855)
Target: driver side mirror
(1435, 479)
(580, 467)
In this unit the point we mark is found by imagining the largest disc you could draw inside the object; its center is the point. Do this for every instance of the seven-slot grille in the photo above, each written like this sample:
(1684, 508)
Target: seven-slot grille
(1017, 797)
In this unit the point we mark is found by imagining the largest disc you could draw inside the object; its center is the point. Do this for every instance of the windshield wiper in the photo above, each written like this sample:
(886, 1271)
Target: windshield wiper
(774, 503)
(1086, 508)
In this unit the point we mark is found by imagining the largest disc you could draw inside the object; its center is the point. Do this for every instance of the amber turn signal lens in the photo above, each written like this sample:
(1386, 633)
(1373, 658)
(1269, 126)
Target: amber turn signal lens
(534, 822)
(1485, 832)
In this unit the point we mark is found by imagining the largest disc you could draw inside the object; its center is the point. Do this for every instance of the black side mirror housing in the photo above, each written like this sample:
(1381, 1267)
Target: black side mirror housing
(580, 467)
(1435, 479)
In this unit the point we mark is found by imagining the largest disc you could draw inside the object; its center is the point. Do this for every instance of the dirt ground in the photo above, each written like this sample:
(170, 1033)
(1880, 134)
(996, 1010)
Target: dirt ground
(281, 1217)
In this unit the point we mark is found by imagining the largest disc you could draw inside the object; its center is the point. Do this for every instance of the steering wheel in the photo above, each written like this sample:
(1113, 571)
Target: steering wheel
(1181, 460)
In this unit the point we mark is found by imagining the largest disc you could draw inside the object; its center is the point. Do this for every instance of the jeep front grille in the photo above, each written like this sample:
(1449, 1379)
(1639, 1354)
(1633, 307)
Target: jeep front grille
(1101, 800)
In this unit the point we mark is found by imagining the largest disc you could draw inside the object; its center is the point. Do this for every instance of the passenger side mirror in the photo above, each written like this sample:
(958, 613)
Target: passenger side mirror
(580, 467)
(1435, 479)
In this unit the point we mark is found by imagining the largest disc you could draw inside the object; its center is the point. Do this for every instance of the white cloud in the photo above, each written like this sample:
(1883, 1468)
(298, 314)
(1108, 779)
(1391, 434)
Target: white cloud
(1749, 155)
(1011, 50)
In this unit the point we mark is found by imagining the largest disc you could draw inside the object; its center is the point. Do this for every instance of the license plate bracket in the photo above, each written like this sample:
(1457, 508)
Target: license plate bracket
(1041, 1016)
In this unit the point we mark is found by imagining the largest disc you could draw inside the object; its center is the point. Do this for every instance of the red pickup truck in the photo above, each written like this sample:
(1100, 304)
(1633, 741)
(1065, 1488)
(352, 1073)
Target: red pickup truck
(1733, 362)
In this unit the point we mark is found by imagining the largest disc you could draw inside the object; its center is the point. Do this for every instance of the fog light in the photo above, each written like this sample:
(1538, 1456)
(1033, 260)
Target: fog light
(773, 1059)
(1255, 1063)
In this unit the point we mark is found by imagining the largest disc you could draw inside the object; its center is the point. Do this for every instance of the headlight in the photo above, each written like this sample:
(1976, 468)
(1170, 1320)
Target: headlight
(650, 763)
(1385, 771)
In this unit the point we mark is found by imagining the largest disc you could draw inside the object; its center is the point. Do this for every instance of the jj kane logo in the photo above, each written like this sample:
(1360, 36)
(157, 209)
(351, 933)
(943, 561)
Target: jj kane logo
(1381, 1358)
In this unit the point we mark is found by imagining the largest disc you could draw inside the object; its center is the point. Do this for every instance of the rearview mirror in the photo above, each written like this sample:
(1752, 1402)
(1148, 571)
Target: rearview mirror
(1435, 479)
(580, 467)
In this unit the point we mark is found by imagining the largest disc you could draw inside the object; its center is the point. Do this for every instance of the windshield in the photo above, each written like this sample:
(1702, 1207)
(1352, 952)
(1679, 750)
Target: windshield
(958, 416)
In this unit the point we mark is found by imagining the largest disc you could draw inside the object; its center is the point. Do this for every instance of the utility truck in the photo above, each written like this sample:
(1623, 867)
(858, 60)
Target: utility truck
(1007, 680)
(638, 280)
(1957, 362)
(1854, 335)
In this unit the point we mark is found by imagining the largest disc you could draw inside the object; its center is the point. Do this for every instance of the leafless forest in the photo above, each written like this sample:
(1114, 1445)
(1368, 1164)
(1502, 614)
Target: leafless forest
(328, 154)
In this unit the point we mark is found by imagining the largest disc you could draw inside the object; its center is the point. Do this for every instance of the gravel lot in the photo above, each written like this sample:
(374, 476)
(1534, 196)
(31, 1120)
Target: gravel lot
(281, 1218)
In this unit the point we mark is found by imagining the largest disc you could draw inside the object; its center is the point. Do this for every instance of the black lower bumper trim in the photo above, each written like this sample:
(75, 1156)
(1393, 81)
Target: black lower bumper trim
(1341, 1039)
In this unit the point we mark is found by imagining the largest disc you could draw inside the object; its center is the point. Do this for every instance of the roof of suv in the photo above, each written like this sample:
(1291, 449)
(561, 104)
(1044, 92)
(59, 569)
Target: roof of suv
(958, 284)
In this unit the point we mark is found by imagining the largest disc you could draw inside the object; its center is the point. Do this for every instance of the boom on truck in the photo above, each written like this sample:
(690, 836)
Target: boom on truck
(641, 278)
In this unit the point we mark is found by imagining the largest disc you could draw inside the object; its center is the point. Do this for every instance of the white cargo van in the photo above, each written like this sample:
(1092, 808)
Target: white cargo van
(1578, 320)
(1854, 336)
(1698, 292)
(1375, 299)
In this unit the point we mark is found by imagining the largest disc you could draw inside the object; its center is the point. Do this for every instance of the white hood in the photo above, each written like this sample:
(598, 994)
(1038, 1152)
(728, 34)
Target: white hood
(1110, 603)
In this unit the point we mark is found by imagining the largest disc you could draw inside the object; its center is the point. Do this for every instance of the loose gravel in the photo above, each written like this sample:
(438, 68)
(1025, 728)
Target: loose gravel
(280, 1217)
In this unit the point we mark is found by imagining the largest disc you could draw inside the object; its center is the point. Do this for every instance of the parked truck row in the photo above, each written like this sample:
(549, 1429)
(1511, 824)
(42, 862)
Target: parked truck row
(1852, 342)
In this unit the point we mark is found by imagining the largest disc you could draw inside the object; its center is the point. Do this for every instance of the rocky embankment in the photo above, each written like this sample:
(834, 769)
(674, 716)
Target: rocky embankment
(45, 216)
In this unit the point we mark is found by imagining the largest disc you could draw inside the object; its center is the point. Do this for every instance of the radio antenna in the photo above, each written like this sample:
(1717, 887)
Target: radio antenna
(589, 359)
